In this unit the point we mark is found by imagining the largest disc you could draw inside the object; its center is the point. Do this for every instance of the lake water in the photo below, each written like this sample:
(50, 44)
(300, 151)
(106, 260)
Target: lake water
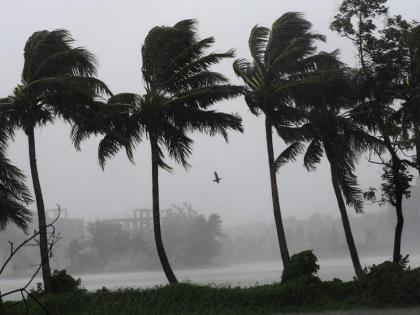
(243, 275)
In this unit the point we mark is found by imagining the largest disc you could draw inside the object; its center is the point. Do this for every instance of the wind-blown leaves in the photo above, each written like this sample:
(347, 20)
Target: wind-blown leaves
(284, 63)
(49, 54)
(14, 195)
(290, 154)
(180, 89)
(329, 124)
(313, 155)
(258, 42)
(57, 81)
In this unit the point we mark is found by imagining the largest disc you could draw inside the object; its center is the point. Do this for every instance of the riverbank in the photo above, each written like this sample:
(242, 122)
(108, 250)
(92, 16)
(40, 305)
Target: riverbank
(243, 275)
(302, 295)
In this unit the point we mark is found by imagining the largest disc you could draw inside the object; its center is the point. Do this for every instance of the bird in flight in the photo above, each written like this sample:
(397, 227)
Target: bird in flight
(217, 179)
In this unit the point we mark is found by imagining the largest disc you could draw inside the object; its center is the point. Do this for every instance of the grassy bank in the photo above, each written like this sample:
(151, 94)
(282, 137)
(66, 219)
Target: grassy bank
(294, 296)
(382, 286)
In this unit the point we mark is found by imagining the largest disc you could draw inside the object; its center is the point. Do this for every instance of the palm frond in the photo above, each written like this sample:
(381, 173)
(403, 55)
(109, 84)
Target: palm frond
(49, 53)
(290, 154)
(178, 145)
(206, 121)
(285, 30)
(189, 54)
(204, 97)
(111, 144)
(14, 196)
(248, 73)
(350, 188)
(313, 155)
(72, 61)
(257, 42)
(178, 80)
(125, 98)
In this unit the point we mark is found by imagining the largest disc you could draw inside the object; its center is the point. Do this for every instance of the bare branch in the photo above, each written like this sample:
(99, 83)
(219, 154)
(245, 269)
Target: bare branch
(25, 242)
(53, 239)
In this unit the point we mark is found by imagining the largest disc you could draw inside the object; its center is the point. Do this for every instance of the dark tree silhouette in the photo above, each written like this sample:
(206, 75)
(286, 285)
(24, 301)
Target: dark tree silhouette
(388, 74)
(328, 127)
(283, 59)
(179, 90)
(57, 81)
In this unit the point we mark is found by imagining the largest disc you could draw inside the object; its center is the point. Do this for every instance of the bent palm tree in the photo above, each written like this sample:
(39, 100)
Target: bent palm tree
(57, 81)
(14, 195)
(329, 128)
(180, 88)
(283, 60)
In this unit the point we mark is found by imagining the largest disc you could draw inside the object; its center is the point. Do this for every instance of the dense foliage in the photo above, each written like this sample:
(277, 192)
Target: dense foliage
(303, 264)
(61, 282)
(391, 284)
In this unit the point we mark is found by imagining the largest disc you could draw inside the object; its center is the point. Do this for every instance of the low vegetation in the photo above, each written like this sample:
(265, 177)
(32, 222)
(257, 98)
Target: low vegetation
(301, 293)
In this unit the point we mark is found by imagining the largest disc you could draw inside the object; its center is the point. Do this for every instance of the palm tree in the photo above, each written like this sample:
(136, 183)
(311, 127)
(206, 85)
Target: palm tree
(283, 59)
(179, 89)
(14, 195)
(57, 81)
(329, 128)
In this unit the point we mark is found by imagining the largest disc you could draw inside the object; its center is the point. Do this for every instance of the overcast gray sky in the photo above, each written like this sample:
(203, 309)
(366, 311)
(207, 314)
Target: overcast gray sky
(114, 31)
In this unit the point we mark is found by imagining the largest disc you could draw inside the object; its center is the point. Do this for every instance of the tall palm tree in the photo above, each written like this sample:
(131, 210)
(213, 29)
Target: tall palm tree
(283, 60)
(329, 128)
(57, 81)
(14, 195)
(179, 90)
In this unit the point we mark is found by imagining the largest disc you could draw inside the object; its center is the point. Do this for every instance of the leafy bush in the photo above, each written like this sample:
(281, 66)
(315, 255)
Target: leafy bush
(391, 284)
(61, 282)
(303, 264)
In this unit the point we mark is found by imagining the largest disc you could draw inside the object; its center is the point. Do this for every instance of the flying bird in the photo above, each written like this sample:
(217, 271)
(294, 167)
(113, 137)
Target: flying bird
(217, 179)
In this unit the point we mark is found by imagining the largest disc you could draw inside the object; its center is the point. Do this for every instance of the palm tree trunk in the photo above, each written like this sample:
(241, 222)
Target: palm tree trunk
(275, 196)
(346, 223)
(156, 213)
(43, 238)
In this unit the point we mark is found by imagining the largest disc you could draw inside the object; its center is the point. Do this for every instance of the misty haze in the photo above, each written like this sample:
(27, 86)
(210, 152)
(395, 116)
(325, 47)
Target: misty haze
(223, 157)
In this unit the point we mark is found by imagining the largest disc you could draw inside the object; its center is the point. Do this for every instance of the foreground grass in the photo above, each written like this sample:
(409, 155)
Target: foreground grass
(382, 286)
(302, 295)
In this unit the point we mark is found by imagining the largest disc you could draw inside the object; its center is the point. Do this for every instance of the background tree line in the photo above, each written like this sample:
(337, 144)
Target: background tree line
(192, 240)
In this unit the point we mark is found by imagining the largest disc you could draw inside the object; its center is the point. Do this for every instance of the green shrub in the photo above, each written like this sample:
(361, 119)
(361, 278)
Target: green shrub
(303, 264)
(391, 284)
(61, 282)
